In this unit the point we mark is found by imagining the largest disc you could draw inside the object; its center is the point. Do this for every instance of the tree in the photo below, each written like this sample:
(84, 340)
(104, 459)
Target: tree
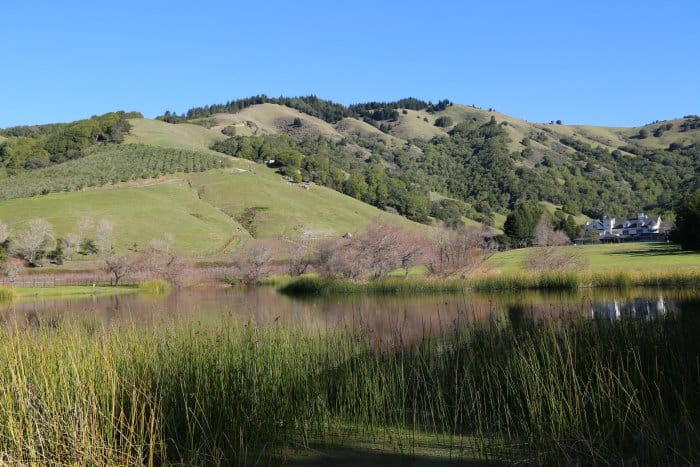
(643, 133)
(73, 241)
(119, 266)
(300, 257)
(687, 230)
(33, 240)
(104, 236)
(253, 262)
(443, 122)
(4, 233)
(57, 255)
(545, 235)
(4, 242)
(455, 252)
(378, 250)
(159, 260)
(520, 224)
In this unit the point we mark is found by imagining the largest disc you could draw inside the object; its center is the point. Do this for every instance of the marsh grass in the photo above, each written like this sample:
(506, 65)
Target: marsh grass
(314, 285)
(579, 392)
(547, 281)
(154, 288)
(7, 295)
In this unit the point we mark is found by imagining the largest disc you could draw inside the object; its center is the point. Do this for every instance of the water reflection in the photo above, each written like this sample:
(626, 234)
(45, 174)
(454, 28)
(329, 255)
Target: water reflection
(639, 308)
(390, 320)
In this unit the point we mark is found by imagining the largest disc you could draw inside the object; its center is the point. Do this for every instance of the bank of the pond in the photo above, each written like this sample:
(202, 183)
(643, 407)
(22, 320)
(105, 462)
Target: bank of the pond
(581, 393)
(323, 286)
(70, 291)
(569, 281)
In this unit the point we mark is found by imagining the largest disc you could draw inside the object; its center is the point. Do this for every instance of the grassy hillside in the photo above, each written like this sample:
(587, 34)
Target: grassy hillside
(140, 211)
(183, 136)
(276, 119)
(273, 207)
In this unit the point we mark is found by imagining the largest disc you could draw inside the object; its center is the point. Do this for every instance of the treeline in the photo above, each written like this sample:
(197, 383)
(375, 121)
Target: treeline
(109, 164)
(326, 110)
(34, 147)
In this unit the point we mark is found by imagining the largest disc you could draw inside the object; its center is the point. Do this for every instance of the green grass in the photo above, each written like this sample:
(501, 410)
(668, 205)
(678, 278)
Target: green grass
(154, 287)
(139, 214)
(513, 389)
(7, 294)
(613, 257)
(289, 210)
(180, 136)
(521, 281)
(320, 286)
(69, 291)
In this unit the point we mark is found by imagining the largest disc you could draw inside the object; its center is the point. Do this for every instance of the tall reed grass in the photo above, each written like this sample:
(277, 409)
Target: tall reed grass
(7, 294)
(154, 287)
(585, 392)
(313, 285)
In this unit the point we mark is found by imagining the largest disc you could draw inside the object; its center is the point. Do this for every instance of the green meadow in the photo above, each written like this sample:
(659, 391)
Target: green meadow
(635, 257)
(282, 208)
(138, 213)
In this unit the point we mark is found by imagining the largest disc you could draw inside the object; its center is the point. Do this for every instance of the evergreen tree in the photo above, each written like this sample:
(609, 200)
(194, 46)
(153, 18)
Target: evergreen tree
(687, 231)
(520, 224)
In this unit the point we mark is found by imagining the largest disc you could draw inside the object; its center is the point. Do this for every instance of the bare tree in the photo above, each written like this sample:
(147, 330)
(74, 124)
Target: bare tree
(545, 235)
(251, 263)
(336, 257)
(455, 252)
(300, 257)
(4, 232)
(104, 236)
(159, 260)
(73, 240)
(35, 238)
(378, 250)
(119, 266)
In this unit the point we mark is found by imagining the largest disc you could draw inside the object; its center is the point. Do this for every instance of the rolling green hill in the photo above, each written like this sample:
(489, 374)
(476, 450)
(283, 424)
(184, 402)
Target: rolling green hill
(482, 161)
(184, 136)
(139, 211)
(274, 208)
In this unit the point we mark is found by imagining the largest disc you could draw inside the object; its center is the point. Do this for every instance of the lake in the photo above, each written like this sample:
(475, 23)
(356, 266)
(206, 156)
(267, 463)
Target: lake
(221, 375)
(389, 319)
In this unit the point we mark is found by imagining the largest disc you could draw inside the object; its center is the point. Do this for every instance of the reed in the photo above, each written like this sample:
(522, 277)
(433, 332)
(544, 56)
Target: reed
(580, 392)
(320, 286)
(533, 281)
(7, 294)
(154, 287)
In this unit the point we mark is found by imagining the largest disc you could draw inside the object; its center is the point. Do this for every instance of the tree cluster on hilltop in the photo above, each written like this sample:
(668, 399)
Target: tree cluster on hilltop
(326, 110)
(34, 147)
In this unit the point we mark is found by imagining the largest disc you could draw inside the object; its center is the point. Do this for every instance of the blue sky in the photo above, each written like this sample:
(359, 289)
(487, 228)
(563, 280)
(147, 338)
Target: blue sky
(620, 63)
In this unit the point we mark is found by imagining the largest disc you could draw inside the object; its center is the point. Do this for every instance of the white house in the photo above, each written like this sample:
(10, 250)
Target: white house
(641, 226)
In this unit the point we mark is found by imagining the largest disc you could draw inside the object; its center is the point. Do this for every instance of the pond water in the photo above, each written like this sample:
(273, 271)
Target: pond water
(391, 320)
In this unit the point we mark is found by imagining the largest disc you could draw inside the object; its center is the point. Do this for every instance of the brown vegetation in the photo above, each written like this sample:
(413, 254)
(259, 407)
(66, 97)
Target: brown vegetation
(455, 252)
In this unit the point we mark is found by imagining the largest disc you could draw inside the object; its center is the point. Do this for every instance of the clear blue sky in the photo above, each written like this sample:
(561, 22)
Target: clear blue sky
(610, 62)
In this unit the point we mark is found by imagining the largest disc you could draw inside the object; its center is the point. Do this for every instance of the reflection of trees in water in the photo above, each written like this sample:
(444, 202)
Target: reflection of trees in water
(391, 321)
(638, 308)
